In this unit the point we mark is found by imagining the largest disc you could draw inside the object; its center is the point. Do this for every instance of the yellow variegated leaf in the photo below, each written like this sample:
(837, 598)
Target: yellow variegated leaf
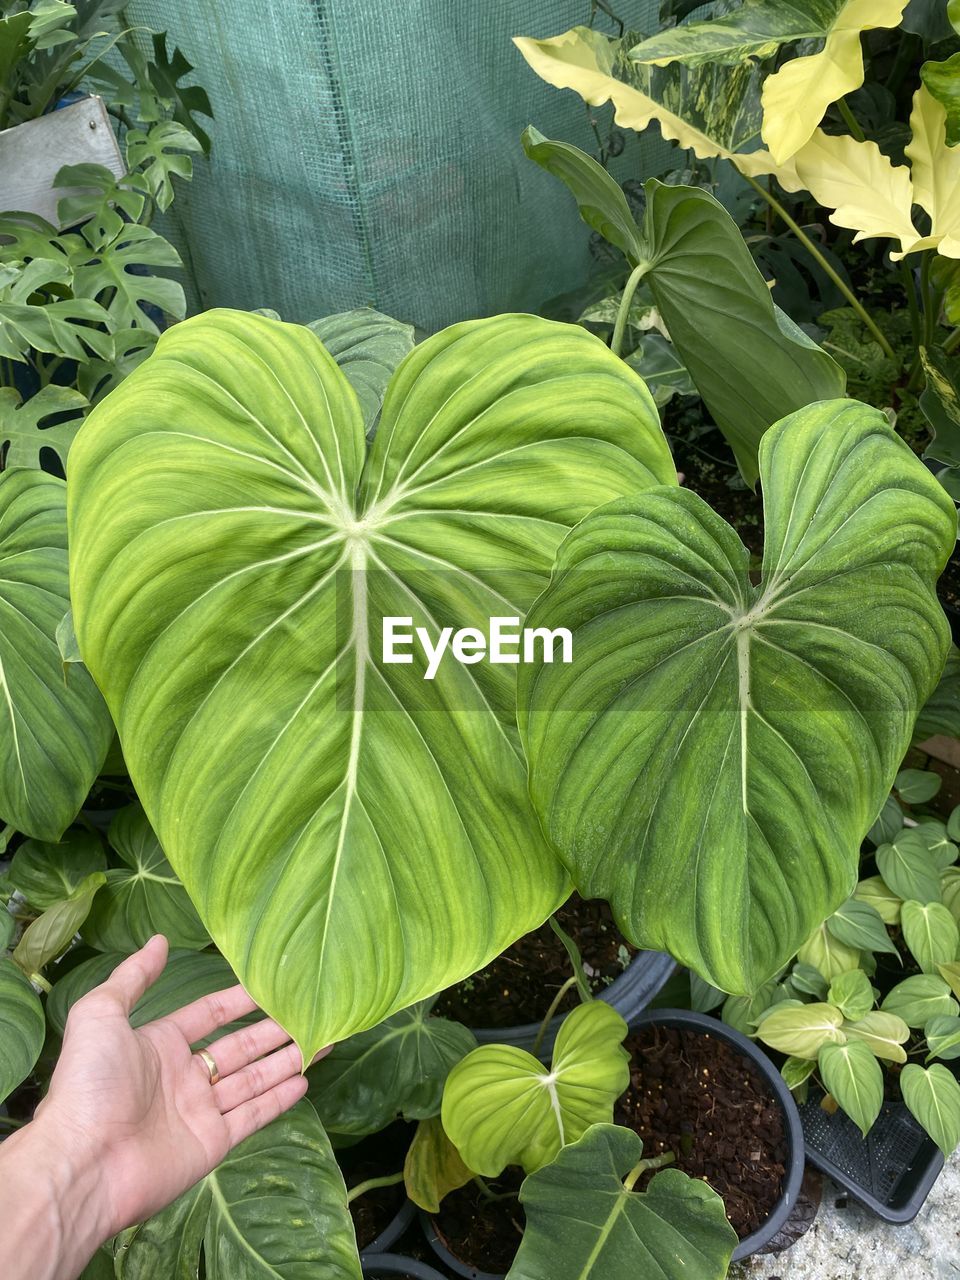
(796, 97)
(865, 190)
(935, 169)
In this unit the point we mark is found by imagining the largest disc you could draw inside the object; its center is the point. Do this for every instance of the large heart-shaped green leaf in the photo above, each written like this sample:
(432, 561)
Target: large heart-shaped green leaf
(713, 756)
(21, 1027)
(354, 837)
(56, 729)
(143, 897)
(583, 1221)
(501, 1106)
(711, 295)
(275, 1209)
(397, 1068)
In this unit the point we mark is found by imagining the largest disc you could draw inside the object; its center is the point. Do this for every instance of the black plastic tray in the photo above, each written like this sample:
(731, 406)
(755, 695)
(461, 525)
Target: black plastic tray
(890, 1171)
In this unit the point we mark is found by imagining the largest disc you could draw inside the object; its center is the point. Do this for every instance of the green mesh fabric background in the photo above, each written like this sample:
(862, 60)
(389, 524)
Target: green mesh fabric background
(368, 154)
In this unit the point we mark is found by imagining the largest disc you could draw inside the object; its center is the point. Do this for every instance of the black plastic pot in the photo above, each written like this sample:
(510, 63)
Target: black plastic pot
(391, 1264)
(459, 1268)
(629, 994)
(890, 1172)
(392, 1232)
(685, 1020)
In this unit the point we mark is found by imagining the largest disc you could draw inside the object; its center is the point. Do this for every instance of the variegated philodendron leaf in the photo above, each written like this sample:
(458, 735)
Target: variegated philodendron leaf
(715, 753)
(354, 837)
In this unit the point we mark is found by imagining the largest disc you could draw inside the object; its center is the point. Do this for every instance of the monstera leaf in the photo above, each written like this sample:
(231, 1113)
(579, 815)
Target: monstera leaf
(56, 729)
(397, 1068)
(21, 1027)
(713, 299)
(142, 897)
(276, 1207)
(713, 756)
(501, 1106)
(355, 837)
(583, 1209)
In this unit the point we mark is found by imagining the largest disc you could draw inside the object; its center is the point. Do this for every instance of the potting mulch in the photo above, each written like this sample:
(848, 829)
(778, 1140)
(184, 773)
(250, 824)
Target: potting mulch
(484, 1233)
(695, 1095)
(375, 1157)
(519, 985)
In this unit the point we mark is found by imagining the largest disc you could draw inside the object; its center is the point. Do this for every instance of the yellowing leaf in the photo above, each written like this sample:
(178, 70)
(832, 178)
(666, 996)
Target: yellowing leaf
(865, 190)
(935, 170)
(796, 97)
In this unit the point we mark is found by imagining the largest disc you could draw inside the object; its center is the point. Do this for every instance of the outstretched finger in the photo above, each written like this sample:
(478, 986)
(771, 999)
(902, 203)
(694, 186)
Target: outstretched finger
(253, 1115)
(130, 979)
(197, 1020)
(256, 1078)
(236, 1050)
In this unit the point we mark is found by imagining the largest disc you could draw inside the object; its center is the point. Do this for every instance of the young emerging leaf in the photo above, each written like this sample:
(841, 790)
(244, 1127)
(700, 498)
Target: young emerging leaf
(884, 1034)
(48, 935)
(368, 346)
(715, 692)
(584, 1221)
(501, 1106)
(331, 815)
(919, 998)
(852, 1076)
(931, 933)
(801, 1029)
(852, 994)
(933, 1096)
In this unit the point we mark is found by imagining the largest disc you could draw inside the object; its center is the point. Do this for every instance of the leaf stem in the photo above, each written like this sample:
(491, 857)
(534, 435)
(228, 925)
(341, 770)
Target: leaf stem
(548, 1017)
(371, 1184)
(910, 288)
(950, 345)
(850, 120)
(822, 262)
(626, 299)
(492, 1196)
(653, 1162)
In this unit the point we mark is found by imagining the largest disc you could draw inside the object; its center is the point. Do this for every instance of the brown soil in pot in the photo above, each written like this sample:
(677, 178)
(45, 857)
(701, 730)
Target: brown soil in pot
(519, 985)
(378, 1156)
(695, 1095)
(482, 1233)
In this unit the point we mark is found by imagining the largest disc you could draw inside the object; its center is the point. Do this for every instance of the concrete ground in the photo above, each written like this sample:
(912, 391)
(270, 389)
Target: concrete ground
(851, 1244)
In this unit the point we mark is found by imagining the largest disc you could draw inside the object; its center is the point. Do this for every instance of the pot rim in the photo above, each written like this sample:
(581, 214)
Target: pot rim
(379, 1264)
(392, 1231)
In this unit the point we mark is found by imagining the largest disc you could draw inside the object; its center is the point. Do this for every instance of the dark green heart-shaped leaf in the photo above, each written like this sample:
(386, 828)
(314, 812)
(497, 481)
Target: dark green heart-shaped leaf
(711, 295)
(368, 346)
(55, 726)
(917, 786)
(889, 822)
(143, 897)
(502, 1106)
(47, 873)
(275, 1209)
(907, 867)
(396, 1068)
(933, 1096)
(21, 1027)
(354, 837)
(739, 740)
(584, 1220)
(859, 924)
(853, 1076)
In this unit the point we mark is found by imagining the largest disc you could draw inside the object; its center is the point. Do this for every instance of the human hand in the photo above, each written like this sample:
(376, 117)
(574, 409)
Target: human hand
(139, 1106)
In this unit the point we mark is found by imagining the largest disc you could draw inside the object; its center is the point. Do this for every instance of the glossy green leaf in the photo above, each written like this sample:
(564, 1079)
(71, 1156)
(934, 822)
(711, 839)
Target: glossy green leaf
(432, 1167)
(859, 924)
(827, 954)
(330, 814)
(55, 728)
(47, 873)
(942, 1035)
(161, 154)
(658, 364)
(368, 346)
(919, 998)
(853, 1076)
(933, 1096)
(716, 692)
(275, 1209)
(942, 850)
(907, 867)
(917, 786)
(21, 1027)
(943, 81)
(852, 994)
(888, 822)
(940, 404)
(583, 1221)
(187, 976)
(884, 1034)
(501, 1106)
(931, 933)
(809, 980)
(53, 931)
(395, 1069)
(143, 897)
(884, 901)
(711, 295)
(801, 1029)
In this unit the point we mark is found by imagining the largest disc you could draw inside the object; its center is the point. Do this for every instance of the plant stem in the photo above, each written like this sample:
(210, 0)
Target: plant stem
(910, 288)
(371, 1184)
(554, 1006)
(654, 1162)
(629, 289)
(13, 1124)
(492, 1196)
(930, 299)
(5, 833)
(850, 120)
(951, 343)
(822, 262)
